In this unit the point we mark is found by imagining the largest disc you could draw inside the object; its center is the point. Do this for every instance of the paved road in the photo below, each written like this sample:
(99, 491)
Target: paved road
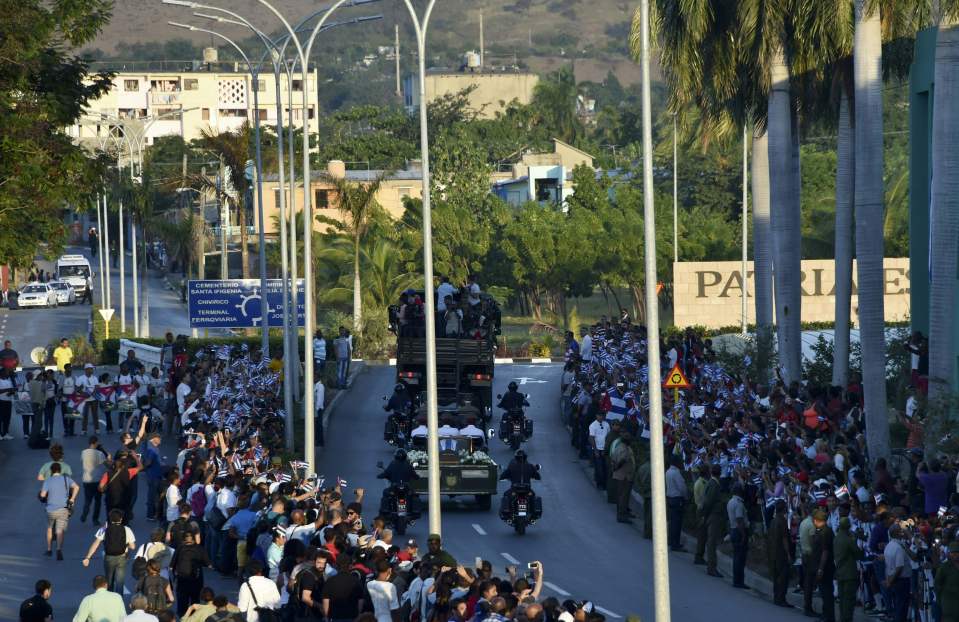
(584, 551)
(586, 554)
(29, 328)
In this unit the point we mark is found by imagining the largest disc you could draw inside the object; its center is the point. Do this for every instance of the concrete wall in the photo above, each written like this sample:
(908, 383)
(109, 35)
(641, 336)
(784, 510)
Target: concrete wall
(709, 293)
(390, 198)
(491, 89)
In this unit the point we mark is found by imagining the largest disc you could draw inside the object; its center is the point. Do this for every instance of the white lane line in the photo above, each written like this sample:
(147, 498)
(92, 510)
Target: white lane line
(509, 558)
(556, 588)
(606, 612)
(479, 529)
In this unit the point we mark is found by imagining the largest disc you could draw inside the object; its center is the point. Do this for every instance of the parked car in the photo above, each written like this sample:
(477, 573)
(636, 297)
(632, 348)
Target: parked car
(37, 295)
(66, 295)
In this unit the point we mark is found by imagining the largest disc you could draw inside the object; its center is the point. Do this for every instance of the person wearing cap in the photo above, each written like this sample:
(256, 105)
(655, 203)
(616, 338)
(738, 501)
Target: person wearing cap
(153, 467)
(738, 533)
(846, 555)
(274, 554)
(409, 553)
(778, 547)
(435, 555)
(947, 585)
(824, 563)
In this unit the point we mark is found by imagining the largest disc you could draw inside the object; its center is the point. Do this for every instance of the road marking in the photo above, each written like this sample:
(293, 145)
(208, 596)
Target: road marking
(509, 558)
(479, 529)
(556, 588)
(530, 381)
(606, 612)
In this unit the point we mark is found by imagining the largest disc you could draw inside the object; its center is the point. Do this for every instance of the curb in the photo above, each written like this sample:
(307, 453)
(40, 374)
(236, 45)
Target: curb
(358, 369)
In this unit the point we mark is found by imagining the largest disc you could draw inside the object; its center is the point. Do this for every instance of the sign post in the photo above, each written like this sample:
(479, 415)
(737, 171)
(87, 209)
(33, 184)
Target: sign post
(676, 380)
(106, 314)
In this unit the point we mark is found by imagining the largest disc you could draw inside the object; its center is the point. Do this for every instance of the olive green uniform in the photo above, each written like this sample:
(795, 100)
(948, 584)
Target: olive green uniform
(846, 554)
(714, 511)
(644, 485)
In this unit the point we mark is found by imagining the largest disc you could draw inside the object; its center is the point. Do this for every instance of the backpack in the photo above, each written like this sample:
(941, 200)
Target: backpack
(140, 560)
(155, 594)
(198, 503)
(115, 539)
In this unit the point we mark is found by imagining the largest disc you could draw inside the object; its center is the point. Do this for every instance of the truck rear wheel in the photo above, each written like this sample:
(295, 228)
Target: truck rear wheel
(485, 502)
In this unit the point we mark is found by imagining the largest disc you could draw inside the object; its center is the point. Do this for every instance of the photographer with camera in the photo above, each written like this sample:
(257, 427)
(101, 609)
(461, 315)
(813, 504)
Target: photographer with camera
(59, 493)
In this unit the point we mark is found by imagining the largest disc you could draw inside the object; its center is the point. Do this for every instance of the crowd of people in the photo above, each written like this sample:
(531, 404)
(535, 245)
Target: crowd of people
(784, 464)
(461, 312)
(291, 545)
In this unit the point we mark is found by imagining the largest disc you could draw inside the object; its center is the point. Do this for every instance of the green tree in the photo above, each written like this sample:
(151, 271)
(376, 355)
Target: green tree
(356, 202)
(43, 87)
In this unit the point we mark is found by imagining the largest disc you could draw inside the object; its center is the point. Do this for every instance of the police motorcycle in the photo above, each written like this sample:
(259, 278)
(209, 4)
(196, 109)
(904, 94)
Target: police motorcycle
(515, 428)
(520, 507)
(400, 507)
(399, 422)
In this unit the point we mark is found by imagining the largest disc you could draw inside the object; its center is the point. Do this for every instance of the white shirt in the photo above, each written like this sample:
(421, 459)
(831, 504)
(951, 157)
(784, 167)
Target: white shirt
(586, 348)
(140, 616)
(673, 357)
(911, 406)
(895, 557)
(319, 349)
(131, 538)
(447, 431)
(319, 395)
(444, 290)
(598, 431)
(420, 430)
(472, 431)
(86, 384)
(182, 390)
(265, 593)
(474, 298)
(675, 484)
(67, 385)
(225, 500)
(93, 468)
(384, 599)
(302, 533)
(173, 497)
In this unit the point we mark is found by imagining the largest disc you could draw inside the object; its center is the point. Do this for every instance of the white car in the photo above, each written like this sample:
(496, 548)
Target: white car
(66, 295)
(37, 295)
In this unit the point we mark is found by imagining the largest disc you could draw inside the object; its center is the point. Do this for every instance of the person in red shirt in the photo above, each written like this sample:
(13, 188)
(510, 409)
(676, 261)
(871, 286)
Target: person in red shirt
(409, 554)
(9, 359)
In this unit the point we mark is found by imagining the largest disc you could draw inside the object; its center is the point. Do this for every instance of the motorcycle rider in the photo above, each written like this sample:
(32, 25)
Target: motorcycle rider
(400, 401)
(397, 472)
(513, 400)
(519, 472)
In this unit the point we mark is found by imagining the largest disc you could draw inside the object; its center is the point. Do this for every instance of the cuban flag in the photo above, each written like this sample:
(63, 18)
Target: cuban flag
(126, 391)
(104, 394)
(76, 400)
(617, 405)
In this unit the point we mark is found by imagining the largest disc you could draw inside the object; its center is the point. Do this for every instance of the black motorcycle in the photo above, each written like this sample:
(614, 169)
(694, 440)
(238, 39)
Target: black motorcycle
(397, 428)
(515, 428)
(400, 506)
(523, 508)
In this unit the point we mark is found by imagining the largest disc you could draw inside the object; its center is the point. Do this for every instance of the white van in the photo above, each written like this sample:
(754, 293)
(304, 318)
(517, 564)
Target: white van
(74, 269)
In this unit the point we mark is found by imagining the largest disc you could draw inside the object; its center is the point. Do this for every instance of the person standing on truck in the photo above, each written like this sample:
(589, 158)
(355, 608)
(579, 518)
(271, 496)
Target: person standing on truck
(444, 291)
(474, 290)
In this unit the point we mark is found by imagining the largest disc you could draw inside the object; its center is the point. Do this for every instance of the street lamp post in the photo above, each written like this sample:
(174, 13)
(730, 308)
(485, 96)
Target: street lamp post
(660, 555)
(745, 274)
(258, 175)
(432, 422)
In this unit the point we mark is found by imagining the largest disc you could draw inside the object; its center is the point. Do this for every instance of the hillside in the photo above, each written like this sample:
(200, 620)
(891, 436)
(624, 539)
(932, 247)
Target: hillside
(523, 29)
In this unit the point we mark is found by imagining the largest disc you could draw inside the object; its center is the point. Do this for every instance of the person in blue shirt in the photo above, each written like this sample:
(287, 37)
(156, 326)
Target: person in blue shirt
(153, 467)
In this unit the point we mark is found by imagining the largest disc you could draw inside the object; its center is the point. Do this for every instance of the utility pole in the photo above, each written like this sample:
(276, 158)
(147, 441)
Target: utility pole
(396, 57)
(223, 210)
(745, 228)
(482, 44)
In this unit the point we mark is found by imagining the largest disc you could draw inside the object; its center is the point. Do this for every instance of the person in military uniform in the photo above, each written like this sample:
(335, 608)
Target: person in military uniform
(714, 511)
(824, 564)
(778, 547)
(624, 470)
(699, 489)
(846, 554)
(644, 484)
(615, 429)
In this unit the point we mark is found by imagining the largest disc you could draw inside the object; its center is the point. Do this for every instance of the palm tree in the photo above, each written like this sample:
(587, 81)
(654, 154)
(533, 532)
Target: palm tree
(869, 199)
(235, 149)
(845, 179)
(383, 265)
(357, 203)
(944, 208)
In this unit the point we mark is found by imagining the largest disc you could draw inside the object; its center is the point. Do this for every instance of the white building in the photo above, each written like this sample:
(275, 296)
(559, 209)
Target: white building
(187, 102)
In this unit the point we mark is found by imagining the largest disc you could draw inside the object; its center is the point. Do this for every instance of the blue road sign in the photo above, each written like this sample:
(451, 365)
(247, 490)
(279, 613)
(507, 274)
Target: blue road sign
(235, 303)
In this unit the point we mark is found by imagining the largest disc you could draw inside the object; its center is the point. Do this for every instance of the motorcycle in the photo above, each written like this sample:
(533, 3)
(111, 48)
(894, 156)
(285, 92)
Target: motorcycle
(400, 506)
(515, 427)
(397, 428)
(524, 508)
